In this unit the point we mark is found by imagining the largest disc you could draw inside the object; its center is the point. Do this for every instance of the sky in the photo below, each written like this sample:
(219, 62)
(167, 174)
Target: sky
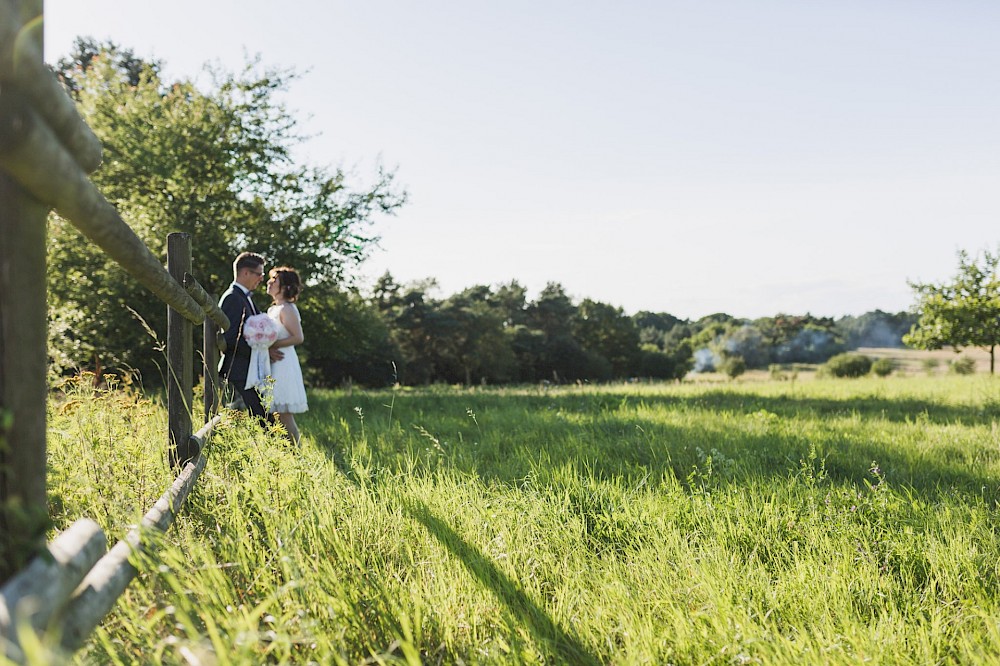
(690, 157)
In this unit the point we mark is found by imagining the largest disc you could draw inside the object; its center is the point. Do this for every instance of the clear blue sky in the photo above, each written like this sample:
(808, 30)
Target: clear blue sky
(749, 157)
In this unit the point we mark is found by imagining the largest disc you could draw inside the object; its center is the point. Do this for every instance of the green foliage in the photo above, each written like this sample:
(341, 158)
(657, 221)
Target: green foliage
(655, 364)
(782, 339)
(883, 367)
(498, 526)
(479, 343)
(664, 333)
(733, 366)
(963, 365)
(847, 365)
(962, 313)
(799, 339)
(875, 329)
(494, 335)
(214, 162)
(347, 340)
(606, 331)
(658, 321)
(747, 343)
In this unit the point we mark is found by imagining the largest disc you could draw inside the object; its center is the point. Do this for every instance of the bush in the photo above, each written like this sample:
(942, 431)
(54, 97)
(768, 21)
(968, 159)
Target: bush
(662, 365)
(777, 372)
(930, 365)
(734, 366)
(883, 367)
(847, 365)
(962, 365)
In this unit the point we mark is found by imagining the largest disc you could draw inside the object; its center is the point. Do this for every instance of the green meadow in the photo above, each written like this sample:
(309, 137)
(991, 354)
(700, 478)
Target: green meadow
(780, 522)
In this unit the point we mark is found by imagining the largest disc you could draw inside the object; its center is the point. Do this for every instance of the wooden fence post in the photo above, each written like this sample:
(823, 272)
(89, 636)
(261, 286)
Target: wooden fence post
(210, 378)
(23, 333)
(180, 364)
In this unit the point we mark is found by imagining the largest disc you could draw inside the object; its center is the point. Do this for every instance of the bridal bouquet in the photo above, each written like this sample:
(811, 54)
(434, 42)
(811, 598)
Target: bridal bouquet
(260, 332)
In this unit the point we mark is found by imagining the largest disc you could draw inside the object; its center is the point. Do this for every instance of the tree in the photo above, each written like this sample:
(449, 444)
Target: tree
(705, 344)
(875, 329)
(552, 314)
(733, 366)
(417, 328)
(606, 331)
(347, 339)
(510, 300)
(962, 313)
(747, 344)
(800, 338)
(215, 163)
(386, 293)
(477, 341)
(657, 364)
(86, 49)
(661, 321)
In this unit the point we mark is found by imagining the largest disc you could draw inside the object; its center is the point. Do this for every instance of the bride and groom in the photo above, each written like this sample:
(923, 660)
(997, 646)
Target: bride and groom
(287, 392)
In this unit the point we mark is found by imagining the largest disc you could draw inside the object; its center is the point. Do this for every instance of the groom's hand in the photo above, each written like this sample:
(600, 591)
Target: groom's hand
(275, 354)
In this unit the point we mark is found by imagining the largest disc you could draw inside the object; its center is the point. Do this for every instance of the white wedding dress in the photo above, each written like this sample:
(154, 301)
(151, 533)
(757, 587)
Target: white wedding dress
(288, 393)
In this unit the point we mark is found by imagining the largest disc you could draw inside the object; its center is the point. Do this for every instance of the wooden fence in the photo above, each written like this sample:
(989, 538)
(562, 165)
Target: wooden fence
(46, 152)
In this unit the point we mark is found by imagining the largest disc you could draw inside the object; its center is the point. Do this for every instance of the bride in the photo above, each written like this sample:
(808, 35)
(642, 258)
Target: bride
(288, 393)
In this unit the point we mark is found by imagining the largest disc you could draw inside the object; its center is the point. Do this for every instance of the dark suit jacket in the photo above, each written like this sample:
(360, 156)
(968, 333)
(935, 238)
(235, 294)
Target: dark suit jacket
(236, 359)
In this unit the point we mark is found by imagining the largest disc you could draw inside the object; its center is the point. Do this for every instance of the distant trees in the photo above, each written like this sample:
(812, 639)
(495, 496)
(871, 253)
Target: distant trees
(487, 334)
(495, 334)
(876, 329)
(964, 312)
(721, 342)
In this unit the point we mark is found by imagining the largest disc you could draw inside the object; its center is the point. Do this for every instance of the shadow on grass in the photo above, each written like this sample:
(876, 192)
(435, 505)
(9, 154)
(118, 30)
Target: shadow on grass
(565, 647)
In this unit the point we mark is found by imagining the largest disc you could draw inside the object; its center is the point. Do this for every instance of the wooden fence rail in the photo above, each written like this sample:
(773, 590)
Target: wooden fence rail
(21, 64)
(30, 598)
(46, 152)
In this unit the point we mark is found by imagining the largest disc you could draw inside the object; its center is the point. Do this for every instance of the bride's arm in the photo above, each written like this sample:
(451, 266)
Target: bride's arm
(289, 319)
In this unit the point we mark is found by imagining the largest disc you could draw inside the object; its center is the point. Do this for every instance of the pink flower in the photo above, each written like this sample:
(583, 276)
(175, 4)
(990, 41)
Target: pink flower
(260, 331)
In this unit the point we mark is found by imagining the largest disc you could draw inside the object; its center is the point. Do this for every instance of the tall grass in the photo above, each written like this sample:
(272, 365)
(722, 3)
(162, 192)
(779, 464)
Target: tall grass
(820, 522)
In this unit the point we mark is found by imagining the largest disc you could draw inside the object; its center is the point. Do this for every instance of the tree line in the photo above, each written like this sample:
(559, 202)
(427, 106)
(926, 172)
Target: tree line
(495, 334)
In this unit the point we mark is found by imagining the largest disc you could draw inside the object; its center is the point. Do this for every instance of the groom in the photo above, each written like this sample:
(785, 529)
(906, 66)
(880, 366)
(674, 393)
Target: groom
(248, 273)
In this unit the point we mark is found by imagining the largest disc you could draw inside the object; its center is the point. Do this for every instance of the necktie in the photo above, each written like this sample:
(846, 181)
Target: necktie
(253, 306)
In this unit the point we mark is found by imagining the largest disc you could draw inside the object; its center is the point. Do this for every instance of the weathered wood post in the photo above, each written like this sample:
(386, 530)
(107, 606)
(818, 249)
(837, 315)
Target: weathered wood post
(210, 352)
(180, 364)
(23, 333)
(215, 320)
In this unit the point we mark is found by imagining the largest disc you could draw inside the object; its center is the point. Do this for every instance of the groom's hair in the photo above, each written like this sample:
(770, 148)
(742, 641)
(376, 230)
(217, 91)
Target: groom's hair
(246, 260)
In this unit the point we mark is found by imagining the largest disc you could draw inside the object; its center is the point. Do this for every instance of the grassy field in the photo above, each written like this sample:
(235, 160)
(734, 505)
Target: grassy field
(819, 522)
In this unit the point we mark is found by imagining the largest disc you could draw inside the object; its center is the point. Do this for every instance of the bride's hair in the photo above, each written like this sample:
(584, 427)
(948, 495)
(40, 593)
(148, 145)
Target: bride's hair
(289, 282)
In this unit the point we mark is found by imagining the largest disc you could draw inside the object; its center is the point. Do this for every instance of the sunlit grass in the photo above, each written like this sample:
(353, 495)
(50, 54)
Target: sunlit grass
(784, 522)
